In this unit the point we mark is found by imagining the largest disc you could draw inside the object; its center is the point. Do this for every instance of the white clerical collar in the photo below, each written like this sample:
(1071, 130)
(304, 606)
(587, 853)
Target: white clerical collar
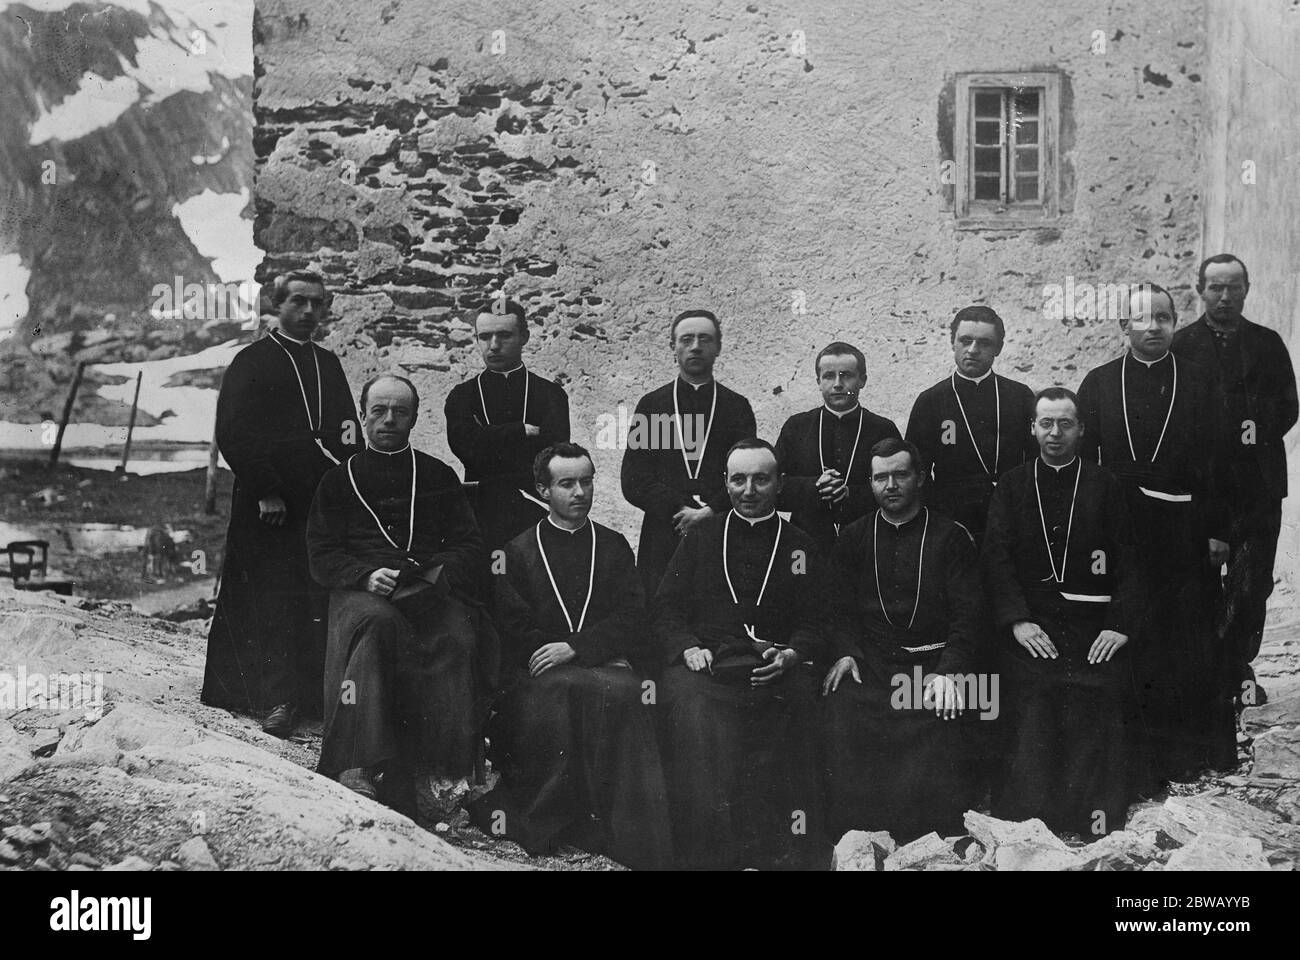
(900, 523)
(506, 373)
(1149, 363)
(980, 379)
(695, 386)
(551, 520)
(388, 453)
(841, 414)
(754, 522)
(1062, 466)
(285, 336)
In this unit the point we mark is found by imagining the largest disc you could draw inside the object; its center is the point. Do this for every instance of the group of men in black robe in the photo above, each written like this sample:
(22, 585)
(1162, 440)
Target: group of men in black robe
(808, 632)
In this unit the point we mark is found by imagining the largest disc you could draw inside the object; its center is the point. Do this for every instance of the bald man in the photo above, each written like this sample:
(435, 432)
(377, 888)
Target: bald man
(394, 539)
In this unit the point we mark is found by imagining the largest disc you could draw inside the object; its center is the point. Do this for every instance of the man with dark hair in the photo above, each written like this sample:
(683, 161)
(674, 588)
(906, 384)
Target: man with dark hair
(1063, 577)
(824, 450)
(971, 424)
(677, 480)
(737, 615)
(1153, 421)
(1257, 398)
(908, 611)
(284, 417)
(500, 420)
(573, 736)
(393, 538)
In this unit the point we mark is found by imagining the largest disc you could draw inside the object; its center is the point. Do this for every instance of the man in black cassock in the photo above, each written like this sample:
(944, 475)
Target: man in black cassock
(574, 735)
(393, 538)
(824, 451)
(500, 420)
(738, 614)
(970, 426)
(1153, 422)
(1062, 574)
(908, 619)
(679, 434)
(284, 417)
(1257, 397)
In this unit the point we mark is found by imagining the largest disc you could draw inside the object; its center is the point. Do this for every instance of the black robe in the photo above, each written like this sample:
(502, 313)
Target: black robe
(654, 476)
(742, 761)
(802, 459)
(1184, 678)
(961, 486)
(267, 640)
(1067, 755)
(576, 745)
(891, 764)
(496, 452)
(398, 689)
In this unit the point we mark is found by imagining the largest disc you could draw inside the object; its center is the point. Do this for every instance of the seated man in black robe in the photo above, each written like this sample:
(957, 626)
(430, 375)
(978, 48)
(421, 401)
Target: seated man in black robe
(284, 417)
(1153, 421)
(500, 420)
(824, 451)
(1063, 576)
(393, 538)
(574, 733)
(908, 611)
(738, 614)
(970, 426)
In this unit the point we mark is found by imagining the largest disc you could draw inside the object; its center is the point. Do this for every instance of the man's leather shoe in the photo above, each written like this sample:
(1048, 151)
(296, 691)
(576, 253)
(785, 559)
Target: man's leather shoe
(280, 721)
(358, 780)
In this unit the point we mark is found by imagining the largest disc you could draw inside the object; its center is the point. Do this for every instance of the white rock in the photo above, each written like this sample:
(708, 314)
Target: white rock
(863, 850)
(1219, 851)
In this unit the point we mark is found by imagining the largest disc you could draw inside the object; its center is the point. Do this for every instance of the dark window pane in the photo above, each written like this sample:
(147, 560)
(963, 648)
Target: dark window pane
(1027, 104)
(987, 188)
(988, 132)
(988, 103)
(1027, 161)
(1026, 189)
(1027, 132)
(988, 160)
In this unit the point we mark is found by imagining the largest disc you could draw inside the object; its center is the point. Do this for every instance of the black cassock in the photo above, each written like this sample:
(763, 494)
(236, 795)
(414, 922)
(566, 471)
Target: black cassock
(971, 433)
(576, 744)
(657, 479)
(891, 764)
(396, 689)
(816, 440)
(485, 429)
(1163, 445)
(1067, 750)
(266, 645)
(742, 761)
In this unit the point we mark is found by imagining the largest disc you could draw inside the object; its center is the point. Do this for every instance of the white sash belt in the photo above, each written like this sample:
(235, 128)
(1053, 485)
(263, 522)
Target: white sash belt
(1087, 597)
(1170, 497)
(926, 648)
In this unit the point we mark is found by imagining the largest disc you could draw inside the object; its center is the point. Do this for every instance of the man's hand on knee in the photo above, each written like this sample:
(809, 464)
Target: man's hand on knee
(382, 582)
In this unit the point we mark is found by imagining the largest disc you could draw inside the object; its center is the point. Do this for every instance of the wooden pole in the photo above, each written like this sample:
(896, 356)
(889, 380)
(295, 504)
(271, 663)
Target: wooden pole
(130, 427)
(210, 488)
(67, 412)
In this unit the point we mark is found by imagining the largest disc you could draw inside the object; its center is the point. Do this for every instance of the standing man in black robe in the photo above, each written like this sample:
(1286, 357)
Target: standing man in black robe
(970, 426)
(738, 614)
(393, 538)
(284, 417)
(574, 734)
(679, 483)
(823, 451)
(1063, 576)
(1257, 394)
(1153, 422)
(500, 420)
(908, 618)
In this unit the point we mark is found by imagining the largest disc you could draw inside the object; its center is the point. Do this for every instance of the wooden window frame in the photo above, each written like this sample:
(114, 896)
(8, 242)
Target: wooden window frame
(989, 214)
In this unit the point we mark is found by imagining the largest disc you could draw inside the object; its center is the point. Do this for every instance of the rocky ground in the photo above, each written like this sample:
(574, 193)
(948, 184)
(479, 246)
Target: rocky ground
(155, 780)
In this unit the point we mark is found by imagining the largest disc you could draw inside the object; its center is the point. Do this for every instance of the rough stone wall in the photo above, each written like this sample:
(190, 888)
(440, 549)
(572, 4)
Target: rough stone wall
(612, 164)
